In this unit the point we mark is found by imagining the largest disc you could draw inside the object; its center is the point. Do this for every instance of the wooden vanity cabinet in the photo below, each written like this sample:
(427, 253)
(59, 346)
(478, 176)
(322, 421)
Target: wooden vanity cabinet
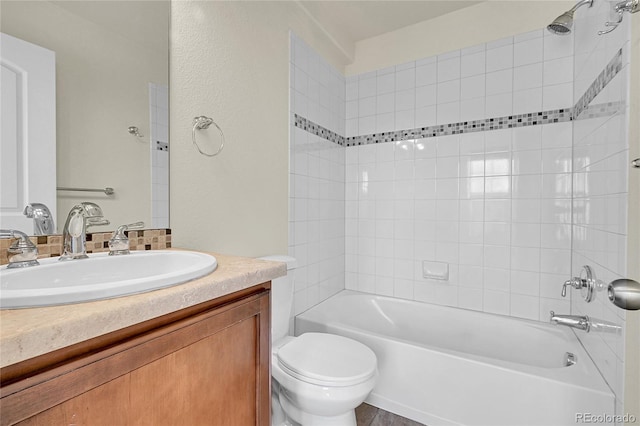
(204, 365)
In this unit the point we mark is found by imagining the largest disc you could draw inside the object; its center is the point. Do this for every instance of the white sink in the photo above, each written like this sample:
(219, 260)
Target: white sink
(99, 277)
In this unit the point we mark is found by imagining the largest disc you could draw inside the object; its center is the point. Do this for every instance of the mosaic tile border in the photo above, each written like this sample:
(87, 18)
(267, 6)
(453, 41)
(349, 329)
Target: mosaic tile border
(608, 73)
(51, 245)
(506, 122)
(497, 123)
(602, 110)
(316, 129)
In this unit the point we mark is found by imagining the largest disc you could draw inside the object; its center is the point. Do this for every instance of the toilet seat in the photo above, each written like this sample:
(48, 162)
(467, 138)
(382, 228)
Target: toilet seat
(327, 360)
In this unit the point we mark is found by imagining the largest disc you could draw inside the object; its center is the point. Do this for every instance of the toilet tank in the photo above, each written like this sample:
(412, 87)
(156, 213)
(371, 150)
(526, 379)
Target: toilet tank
(281, 298)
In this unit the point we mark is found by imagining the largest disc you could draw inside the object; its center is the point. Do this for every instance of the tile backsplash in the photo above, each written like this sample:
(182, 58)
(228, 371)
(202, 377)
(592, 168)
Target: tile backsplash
(51, 245)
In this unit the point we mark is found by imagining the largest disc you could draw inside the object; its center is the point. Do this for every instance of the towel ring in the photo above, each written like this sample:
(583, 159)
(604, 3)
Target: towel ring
(200, 123)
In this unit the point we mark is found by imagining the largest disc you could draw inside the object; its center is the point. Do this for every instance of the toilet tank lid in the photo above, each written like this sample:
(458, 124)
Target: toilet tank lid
(290, 261)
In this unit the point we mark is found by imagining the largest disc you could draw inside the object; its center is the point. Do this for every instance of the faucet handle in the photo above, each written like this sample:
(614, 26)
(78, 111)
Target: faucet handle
(95, 221)
(586, 285)
(119, 242)
(574, 282)
(22, 252)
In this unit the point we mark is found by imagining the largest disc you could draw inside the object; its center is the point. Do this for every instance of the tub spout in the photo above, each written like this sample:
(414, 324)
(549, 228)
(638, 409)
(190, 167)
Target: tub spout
(574, 321)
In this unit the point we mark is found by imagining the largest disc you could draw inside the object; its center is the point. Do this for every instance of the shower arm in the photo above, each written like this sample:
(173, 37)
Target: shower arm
(580, 4)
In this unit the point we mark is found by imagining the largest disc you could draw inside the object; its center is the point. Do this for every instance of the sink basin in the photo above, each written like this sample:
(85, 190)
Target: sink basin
(99, 277)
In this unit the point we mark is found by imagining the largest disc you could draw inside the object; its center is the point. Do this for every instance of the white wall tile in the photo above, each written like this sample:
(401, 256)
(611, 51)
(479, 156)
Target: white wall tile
(499, 82)
(448, 69)
(448, 91)
(367, 106)
(473, 64)
(448, 112)
(405, 100)
(500, 58)
(367, 87)
(528, 51)
(558, 71)
(523, 306)
(472, 109)
(405, 79)
(526, 101)
(426, 96)
(506, 41)
(496, 302)
(386, 83)
(472, 87)
(558, 47)
(528, 76)
(499, 105)
(426, 74)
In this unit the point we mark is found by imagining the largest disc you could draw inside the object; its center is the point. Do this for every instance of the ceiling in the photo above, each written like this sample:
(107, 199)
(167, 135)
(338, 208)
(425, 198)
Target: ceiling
(359, 20)
(145, 22)
(345, 21)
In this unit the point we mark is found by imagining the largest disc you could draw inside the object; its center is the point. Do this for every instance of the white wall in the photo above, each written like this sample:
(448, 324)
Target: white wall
(230, 61)
(102, 89)
(481, 23)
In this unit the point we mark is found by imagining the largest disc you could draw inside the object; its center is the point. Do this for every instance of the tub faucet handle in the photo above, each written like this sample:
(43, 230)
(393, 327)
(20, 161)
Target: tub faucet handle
(574, 282)
(587, 283)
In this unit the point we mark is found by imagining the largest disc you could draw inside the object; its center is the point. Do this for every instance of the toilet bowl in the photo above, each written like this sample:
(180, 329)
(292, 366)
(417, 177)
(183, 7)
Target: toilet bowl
(318, 378)
(323, 377)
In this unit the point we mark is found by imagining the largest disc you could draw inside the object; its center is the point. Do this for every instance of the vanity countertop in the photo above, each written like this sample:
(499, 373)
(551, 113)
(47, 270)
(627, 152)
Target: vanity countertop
(26, 333)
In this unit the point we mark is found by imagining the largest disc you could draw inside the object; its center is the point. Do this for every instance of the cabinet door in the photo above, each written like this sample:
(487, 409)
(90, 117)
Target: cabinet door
(211, 382)
(210, 369)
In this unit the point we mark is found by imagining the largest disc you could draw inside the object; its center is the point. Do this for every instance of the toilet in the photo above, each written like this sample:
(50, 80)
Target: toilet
(317, 378)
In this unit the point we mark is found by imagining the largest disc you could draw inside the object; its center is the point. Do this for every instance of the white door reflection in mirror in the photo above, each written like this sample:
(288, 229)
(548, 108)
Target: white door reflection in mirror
(28, 123)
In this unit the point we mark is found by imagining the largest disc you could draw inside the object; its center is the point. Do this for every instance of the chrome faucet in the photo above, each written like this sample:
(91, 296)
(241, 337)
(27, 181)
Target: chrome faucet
(119, 242)
(22, 252)
(42, 218)
(574, 321)
(74, 234)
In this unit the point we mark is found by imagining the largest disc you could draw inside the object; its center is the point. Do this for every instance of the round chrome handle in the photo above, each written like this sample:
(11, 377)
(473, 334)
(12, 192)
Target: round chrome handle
(625, 294)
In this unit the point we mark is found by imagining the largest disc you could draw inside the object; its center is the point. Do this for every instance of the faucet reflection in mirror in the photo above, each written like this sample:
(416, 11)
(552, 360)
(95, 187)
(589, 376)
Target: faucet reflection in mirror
(43, 223)
(74, 234)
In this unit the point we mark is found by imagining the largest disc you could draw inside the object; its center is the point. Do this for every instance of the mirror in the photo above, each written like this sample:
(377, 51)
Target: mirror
(111, 102)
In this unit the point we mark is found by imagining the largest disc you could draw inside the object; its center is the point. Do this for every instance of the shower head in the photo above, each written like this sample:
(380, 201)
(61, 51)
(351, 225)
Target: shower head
(563, 23)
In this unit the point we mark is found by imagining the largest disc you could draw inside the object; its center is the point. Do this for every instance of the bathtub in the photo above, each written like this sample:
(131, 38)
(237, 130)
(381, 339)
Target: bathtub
(447, 366)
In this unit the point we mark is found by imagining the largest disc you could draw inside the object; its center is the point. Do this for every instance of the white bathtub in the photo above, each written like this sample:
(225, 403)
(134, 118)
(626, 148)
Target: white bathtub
(448, 366)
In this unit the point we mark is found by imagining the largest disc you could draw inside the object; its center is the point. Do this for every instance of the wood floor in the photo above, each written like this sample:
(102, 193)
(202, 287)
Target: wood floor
(368, 415)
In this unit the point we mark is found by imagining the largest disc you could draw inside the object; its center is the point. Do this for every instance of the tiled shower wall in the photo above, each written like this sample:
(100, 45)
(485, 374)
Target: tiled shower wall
(464, 158)
(474, 159)
(601, 165)
(495, 205)
(316, 184)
